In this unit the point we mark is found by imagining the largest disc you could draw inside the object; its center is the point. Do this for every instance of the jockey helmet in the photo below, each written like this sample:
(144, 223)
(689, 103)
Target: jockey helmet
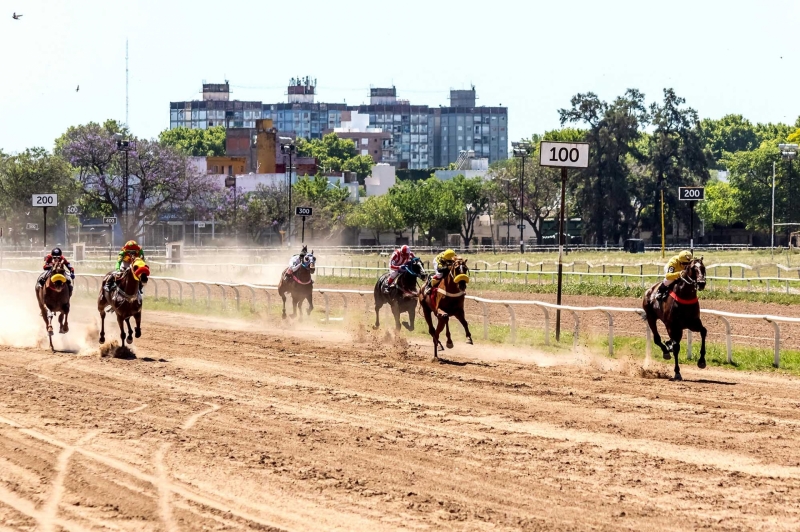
(56, 252)
(131, 245)
(404, 250)
(449, 254)
(685, 256)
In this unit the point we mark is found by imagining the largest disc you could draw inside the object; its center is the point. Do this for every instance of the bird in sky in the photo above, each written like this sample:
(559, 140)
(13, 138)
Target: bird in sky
(78, 88)
(15, 16)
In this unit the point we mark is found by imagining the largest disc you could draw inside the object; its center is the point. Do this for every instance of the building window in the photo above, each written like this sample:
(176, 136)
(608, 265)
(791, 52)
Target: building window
(460, 128)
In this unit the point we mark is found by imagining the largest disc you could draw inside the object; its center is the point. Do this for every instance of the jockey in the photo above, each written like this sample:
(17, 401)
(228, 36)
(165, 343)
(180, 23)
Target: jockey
(672, 272)
(129, 252)
(443, 262)
(296, 262)
(400, 258)
(49, 261)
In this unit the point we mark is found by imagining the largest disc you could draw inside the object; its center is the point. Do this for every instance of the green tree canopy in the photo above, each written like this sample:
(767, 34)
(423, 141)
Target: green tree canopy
(34, 171)
(195, 142)
(336, 154)
(378, 215)
(330, 204)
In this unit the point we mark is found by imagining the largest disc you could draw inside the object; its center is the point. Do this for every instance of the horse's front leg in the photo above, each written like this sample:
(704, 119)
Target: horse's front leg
(378, 307)
(138, 319)
(411, 315)
(65, 314)
(295, 303)
(102, 326)
(676, 336)
(396, 312)
(130, 330)
(121, 323)
(449, 343)
(653, 324)
(439, 326)
(463, 320)
(698, 327)
(310, 299)
(283, 298)
(45, 315)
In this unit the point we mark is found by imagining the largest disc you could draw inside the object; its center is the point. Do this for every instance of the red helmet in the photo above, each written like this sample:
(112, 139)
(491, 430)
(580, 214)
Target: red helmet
(404, 250)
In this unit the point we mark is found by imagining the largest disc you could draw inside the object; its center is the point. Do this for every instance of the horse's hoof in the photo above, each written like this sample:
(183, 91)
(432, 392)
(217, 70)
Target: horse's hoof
(129, 340)
(137, 332)
(449, 344)
(677, 377)
(102, 341)
(283, 316)
(469, 340)
(66, 329)
(667, 356)
(701, 363)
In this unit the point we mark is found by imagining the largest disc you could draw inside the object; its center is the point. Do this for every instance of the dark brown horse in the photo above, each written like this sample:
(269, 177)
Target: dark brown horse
(53, 298)
(124, 299)
(679, 311)
(450, 295)
(402, 296)
(299, 285)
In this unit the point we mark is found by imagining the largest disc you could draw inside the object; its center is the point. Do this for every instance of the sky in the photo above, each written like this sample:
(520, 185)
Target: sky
(732, 56)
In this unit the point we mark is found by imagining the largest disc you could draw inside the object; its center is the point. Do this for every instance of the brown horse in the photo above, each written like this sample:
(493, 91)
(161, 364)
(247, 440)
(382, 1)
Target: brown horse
(679, 311)
(451, 292)
(124, 299)
(53, 298)
(299, 285)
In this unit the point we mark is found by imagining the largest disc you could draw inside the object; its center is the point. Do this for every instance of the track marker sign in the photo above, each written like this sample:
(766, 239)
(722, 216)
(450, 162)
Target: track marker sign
(564, 154)
(303, 211)
(110, 220)
(691, 193)
(44, 200)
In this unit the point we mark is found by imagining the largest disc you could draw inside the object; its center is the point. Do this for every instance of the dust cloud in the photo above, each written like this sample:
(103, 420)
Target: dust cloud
(21, 323)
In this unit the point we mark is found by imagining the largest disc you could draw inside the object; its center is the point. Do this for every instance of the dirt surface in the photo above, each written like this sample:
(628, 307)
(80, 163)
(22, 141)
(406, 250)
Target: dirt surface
(216, 426)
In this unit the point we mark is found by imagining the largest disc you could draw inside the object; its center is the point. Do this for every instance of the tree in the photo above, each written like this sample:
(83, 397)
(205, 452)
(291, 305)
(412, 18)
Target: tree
(330, 204)
(472, 197)
(721, 206)
(335, 154)
(603, 190)
(377, 214)
(729, 134)
(33, 171)
(540, 191)
(676, 152)
(408, 197)
(196, 142)
(161, 179)
(428, 206)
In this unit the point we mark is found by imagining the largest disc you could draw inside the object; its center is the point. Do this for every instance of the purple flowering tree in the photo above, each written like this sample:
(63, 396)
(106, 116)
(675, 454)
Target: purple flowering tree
(161, 180)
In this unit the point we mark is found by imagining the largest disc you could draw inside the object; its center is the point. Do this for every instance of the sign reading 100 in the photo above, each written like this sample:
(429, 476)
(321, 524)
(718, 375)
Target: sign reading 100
(564, 154)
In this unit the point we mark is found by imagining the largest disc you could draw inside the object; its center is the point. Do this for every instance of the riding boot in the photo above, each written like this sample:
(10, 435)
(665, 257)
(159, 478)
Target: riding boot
(663, 291)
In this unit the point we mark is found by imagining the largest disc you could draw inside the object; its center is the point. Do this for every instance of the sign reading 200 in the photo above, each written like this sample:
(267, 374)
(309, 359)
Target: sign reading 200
(44, 200)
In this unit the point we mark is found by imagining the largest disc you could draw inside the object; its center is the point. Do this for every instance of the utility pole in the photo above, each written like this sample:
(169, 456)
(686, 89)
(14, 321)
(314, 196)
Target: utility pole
(288, 147)
(521, 150)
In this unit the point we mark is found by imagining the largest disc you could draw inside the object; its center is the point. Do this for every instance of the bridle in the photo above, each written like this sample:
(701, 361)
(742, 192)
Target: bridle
(686, 279)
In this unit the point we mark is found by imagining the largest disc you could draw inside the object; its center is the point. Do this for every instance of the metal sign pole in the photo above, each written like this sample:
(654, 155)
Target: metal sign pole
(691, 227)
(44, 228)
(303, 238)
(560, 251)
(663, 238)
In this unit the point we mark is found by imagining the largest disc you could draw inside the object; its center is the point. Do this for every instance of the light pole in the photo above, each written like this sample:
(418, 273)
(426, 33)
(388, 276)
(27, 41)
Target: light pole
(230, 182)
(125, 146)
(288, 147)
(521, 150)
(788, 152)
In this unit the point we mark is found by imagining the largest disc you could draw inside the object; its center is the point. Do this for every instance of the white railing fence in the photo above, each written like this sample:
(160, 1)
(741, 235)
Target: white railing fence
(93, 281)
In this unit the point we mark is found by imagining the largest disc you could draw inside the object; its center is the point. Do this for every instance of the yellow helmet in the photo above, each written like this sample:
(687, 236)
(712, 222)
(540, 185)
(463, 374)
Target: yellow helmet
(685, 256)
(448, 254)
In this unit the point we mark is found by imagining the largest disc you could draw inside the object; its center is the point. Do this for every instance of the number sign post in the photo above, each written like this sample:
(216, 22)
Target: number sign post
(562, 155)
(303, 211)
(44, 201)
(692, 195)
(111, 221)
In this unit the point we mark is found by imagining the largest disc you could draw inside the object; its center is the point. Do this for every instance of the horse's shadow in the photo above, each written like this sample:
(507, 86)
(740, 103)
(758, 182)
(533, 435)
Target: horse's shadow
(448, 362)
(710, 381)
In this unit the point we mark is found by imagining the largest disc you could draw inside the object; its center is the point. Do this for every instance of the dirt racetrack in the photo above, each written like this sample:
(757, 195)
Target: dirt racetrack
(216, 426)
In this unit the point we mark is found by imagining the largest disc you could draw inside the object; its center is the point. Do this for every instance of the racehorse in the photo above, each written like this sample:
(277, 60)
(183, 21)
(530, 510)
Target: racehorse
(402, 296)
(453, 288)
(53, 298)
(299, 284)
(124, 299)
(679, 311)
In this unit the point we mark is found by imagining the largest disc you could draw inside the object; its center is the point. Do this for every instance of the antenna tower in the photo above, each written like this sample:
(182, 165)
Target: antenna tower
(126, 84)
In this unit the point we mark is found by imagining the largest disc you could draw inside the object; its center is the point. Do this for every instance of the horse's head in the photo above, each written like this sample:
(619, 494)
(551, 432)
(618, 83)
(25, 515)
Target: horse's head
(695, 273)
(140, 270)
(310, 262)
(460, 273)
(415, 268)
